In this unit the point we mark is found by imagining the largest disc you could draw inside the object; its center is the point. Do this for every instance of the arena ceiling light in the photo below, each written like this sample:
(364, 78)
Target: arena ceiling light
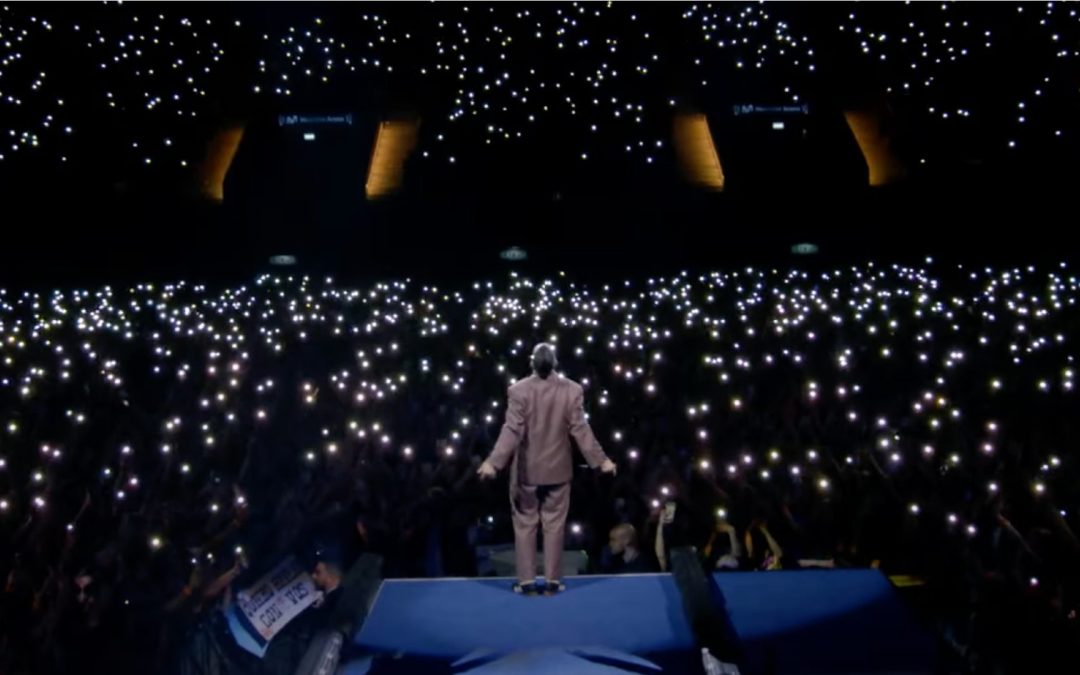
(514, 254)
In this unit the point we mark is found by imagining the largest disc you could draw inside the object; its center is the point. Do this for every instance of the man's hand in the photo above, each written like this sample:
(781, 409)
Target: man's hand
(608, 467)
(667, 515)
(486, 470)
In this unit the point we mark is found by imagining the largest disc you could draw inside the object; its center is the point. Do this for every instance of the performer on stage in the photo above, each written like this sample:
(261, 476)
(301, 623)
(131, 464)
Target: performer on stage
(543, 412)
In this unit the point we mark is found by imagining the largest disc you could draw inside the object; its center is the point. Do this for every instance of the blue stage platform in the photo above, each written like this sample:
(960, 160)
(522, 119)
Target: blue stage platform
(821, 621)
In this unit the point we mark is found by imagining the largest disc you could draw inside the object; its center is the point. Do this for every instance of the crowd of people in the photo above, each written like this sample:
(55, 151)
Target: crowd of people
(162, 446)
(149, 78)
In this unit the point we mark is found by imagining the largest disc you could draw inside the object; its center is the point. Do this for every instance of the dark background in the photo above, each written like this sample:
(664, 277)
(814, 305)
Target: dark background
(102, 215)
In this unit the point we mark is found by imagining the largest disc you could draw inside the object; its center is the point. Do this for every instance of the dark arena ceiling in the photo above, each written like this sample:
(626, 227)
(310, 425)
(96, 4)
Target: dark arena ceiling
(422, 128)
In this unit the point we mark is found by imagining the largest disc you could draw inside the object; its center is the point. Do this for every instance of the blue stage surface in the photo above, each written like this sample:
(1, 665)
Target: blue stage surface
(822, 621)
(637, 614)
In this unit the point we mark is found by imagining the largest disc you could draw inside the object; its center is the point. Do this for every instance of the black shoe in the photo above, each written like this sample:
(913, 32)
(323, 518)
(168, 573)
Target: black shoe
(527, 588)
(554, 588)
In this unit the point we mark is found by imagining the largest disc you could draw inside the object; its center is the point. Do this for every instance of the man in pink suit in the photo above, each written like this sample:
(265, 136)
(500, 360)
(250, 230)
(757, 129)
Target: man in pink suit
(543, 412)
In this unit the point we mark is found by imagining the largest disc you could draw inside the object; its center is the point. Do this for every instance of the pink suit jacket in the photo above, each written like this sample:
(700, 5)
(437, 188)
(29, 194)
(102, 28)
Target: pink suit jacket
(542, 415)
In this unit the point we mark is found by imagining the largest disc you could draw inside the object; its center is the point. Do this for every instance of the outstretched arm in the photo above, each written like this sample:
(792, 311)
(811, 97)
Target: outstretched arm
(774, 547)
(660, 548)
(583, 433)
(510, 437)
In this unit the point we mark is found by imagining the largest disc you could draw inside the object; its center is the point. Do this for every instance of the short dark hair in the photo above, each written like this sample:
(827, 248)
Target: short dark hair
(332, 566)
(332, 556)
(543, 359)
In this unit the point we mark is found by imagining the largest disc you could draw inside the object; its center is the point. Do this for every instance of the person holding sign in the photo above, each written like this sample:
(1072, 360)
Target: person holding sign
(544, 411)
